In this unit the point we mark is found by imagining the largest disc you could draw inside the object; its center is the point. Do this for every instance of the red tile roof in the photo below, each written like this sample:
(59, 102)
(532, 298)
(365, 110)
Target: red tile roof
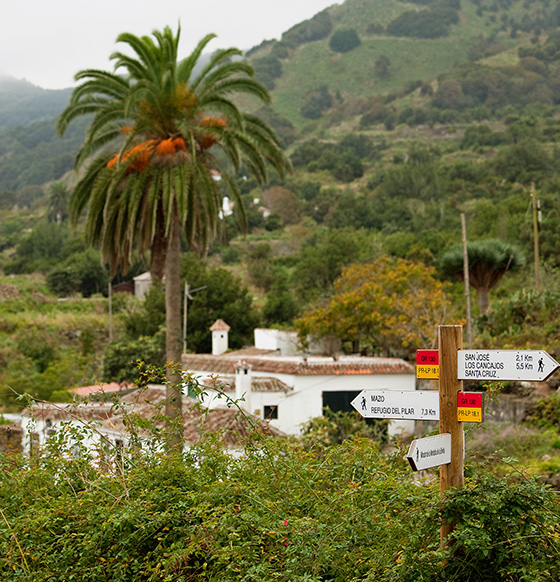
(220, 325)
(297, 366)
(258, 384)
(98, 388)
(231, 426)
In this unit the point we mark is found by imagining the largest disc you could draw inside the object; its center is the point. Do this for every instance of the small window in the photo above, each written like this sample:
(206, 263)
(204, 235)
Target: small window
(270, 412)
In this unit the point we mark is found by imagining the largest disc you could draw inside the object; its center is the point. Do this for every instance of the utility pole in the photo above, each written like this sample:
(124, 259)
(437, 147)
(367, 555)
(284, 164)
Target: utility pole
(110, 311)
(536, 218)
(467, 281)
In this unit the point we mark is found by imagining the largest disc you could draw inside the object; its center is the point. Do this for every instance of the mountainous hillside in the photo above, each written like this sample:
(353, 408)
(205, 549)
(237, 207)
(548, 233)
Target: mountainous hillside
(351, 52)
(365, 60)
(22, 102)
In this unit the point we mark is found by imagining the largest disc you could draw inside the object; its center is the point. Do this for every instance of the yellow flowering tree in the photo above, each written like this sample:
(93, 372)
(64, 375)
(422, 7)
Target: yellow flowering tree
(393, 305)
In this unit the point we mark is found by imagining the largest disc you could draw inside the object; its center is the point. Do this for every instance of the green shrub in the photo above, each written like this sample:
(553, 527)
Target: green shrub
(267, 70)
(278, 511)
(317, 102)
(344, 40)
(545, 413)
(505, 529)
(316, 28)
(430, 23)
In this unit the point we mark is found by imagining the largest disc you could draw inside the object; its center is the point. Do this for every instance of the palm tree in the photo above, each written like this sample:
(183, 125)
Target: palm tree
(489, 261)
(161, 131)
(58, 201)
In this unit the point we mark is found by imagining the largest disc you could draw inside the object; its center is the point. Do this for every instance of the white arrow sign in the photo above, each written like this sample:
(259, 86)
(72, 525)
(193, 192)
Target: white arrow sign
(430, 452)
(398, 404)
(529, 365)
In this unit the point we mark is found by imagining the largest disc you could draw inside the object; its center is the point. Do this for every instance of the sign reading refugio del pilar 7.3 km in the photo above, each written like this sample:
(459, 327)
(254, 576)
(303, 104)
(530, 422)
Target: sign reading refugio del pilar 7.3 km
(528, 365)
(398, 404)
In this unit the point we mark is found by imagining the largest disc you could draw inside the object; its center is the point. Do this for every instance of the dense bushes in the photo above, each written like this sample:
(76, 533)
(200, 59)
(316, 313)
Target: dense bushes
(344, 160)
(279, 511)
(267, 70)
(506, 529)
(433, 22)
(493, 87)
(317, 102)
(316, 28)
(344, 40)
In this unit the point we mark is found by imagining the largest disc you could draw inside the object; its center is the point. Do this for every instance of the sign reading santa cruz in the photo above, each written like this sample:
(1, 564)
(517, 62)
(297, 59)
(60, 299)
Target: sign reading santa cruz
(528, 365)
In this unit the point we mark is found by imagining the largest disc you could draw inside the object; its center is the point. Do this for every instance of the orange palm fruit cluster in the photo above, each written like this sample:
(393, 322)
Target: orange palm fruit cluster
(140, 154)
(218, 122)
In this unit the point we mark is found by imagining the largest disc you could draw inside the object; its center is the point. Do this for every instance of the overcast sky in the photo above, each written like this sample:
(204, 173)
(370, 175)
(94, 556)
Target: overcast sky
(48, 41)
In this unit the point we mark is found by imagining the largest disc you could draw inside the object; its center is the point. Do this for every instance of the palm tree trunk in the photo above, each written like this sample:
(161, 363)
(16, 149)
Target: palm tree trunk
(483, 296)
(159, 246)
(173, 347)
(157, 256)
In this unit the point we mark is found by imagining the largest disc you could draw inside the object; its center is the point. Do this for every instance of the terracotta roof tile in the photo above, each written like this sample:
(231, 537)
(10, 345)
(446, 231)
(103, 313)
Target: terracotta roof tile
(258, 384)
(313, 366)
(97, 388)
(220, 325)
(232, 426)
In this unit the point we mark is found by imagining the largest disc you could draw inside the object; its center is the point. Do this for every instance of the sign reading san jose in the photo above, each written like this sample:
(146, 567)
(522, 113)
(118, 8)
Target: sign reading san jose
(398, 404)
(528, 365)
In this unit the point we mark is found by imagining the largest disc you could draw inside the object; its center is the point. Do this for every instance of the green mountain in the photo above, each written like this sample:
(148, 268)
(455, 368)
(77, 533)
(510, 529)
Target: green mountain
(22, 103)
(398, 118)
(350, 53)
(364, 60)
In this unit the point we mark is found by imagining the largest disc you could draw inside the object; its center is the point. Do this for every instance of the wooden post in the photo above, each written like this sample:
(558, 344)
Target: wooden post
(452, 475)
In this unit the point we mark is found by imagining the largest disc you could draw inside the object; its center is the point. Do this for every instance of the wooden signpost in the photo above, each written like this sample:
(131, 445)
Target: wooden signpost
(451, 364)
(452, 474)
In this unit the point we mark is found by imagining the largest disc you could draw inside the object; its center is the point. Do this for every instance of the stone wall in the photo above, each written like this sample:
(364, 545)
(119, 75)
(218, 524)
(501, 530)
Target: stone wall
(11, 438)
(509, 408)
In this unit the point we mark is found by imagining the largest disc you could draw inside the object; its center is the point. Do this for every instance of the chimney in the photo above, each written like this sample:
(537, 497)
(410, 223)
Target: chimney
(243, 384)
(219, 331)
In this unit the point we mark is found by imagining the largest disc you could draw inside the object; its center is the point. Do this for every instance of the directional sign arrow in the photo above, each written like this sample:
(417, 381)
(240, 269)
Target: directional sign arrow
(430, 452)
(398, 404)
(528, 365)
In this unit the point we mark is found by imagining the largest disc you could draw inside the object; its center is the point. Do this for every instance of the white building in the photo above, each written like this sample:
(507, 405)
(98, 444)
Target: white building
(142, 284)
(289, 390)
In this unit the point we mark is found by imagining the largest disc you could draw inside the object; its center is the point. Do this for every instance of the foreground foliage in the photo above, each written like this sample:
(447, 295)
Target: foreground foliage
(274, 511)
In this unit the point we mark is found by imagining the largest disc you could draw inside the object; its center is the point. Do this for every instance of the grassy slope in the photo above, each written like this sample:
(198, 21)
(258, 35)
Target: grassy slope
(314, 64)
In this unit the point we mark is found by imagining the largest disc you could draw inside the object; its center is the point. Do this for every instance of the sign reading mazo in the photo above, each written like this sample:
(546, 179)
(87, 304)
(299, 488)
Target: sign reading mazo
(398, 404)
(529, 365)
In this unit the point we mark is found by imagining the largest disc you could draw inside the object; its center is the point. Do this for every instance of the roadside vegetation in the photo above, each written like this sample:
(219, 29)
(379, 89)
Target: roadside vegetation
(329, 506)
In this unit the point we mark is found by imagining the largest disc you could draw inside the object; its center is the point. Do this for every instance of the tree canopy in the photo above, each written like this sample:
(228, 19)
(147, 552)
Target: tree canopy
(390, 305)
(489, 261)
